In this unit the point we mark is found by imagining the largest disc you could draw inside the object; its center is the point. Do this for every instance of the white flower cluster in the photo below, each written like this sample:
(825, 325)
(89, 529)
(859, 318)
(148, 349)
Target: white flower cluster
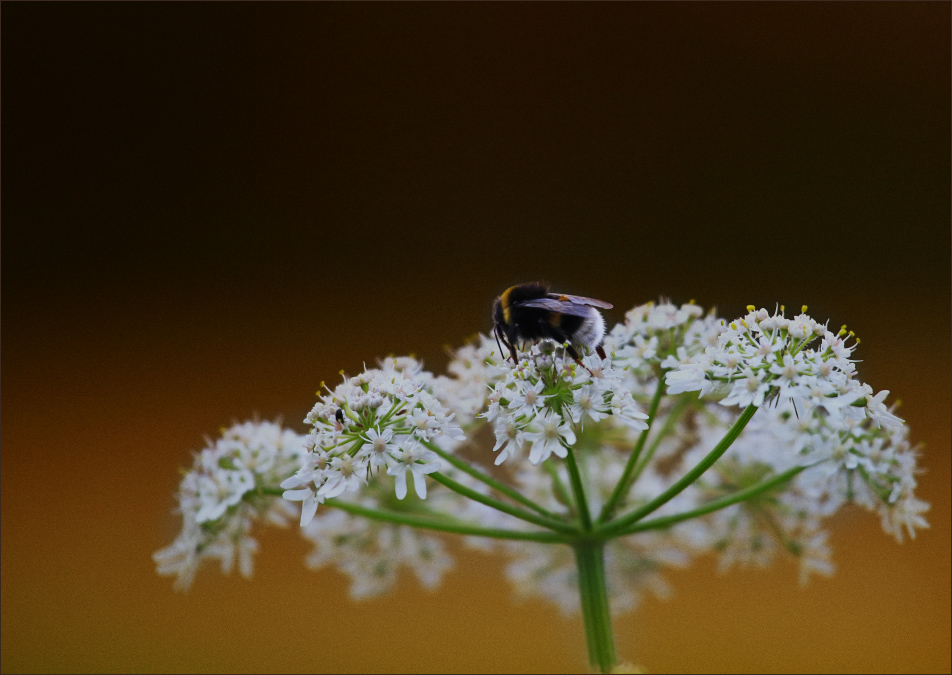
(219, 499)
(653, 333)
(538, 403)
(753, 532)
(763, 355)
(380, 420)
(861, 455)
(472, 368)
(820, 437)
(823, 413)
(372, 552)
(852, 462)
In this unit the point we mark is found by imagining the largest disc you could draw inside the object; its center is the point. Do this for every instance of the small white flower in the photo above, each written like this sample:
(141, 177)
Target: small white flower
(547, 433)
(345, 474)
(510, 437)
(588, 402)
(767, 348)
(815, 392)
(688, 377)
(751, 389)
(878, 411)
(310, 500)
(640, 351)
(417, 461)
(527, 398)
(788, 374)
(905, 514)
(379, 447)
(424, 424)
(626, 411)
(493, 400)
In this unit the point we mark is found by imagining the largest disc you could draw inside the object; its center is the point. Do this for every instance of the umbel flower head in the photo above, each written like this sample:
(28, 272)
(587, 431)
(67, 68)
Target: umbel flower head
(220, 498)
(692, 435)
(382, 420)
(538, 403)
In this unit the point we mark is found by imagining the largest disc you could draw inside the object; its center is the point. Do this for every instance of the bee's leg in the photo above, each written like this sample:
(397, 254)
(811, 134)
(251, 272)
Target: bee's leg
(496, 335)
(600, 351)
(571, 351)
(497, 331)
(559, 336)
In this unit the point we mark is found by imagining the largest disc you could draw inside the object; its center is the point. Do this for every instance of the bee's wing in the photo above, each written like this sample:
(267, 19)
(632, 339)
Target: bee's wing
(560, 306)
(579, 300)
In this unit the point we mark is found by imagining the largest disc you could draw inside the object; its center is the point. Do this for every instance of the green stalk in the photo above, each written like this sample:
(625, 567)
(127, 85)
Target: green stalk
(670, 422)
(596, 612)
(614, 526)
(430, 523)
(499, 486)
(717, 504)
(426, 523)
(557, 526)
(558, 487)
(609, 508)
(581, 502)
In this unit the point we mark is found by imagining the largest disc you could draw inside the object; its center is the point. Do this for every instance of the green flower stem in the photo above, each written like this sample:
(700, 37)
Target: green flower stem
(596, 612)
(558, 487)
(556, 525)
(623, 486)
(446, 526)
(623, 522)
(581, 502)
(717, 504)
(499, 486)
(430, 523)
(673, 417)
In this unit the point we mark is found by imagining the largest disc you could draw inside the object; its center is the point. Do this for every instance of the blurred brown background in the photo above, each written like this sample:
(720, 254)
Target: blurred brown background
(208, 209)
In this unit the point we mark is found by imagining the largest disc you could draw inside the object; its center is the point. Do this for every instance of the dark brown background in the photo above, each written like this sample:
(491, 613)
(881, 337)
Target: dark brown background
(208, 209)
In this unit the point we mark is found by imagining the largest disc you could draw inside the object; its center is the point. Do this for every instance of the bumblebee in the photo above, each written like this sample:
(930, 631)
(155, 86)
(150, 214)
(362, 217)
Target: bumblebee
(529, 313)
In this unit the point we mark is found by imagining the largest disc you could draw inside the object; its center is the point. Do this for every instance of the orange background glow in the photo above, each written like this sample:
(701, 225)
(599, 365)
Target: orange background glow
(209, 209)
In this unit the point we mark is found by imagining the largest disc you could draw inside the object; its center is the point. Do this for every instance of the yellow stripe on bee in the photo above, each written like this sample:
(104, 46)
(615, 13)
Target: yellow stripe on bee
(504, 301)
(555, 319)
